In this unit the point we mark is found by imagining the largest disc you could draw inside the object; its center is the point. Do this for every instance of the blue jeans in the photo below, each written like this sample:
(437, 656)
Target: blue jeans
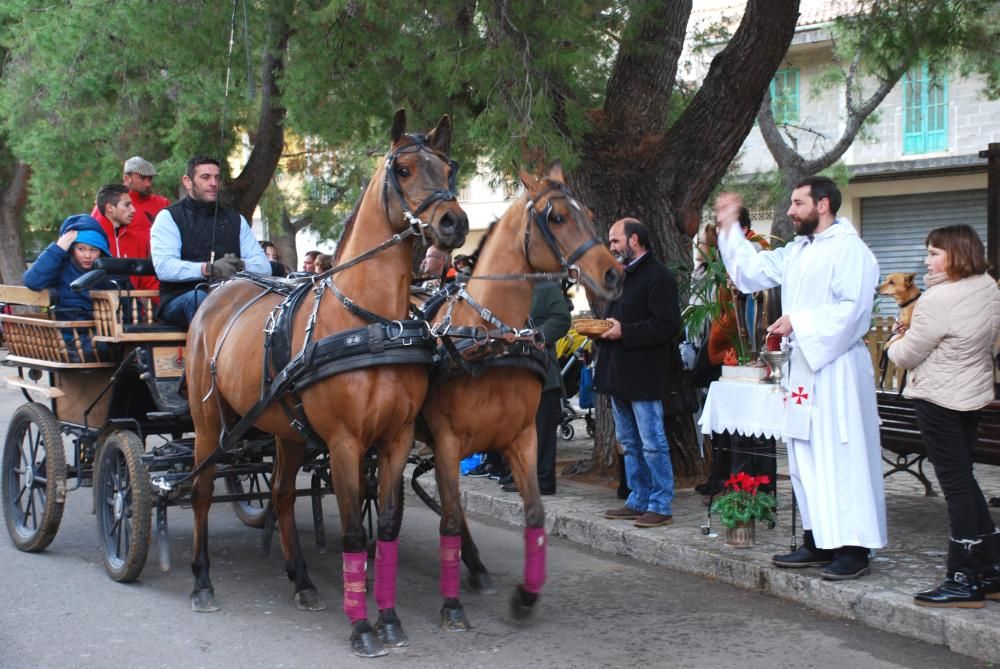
(180, 310)
(650, 474)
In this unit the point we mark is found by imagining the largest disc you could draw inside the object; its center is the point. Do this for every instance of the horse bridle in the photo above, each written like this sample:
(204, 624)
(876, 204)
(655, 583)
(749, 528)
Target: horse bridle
(419, 144)
(541, 219)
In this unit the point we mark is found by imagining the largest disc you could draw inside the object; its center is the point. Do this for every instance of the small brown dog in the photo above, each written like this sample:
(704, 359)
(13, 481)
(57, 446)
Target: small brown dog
(900, 287)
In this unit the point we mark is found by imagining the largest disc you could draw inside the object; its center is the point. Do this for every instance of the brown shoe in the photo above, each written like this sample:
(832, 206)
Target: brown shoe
(623, 513)
(653, 519)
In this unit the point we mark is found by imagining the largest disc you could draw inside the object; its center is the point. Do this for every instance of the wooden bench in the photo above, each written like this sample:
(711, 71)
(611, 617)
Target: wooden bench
(902, 446)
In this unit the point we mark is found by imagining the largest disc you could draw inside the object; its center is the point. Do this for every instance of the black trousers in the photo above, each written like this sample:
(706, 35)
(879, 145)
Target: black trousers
(950, 437)
(547, 424)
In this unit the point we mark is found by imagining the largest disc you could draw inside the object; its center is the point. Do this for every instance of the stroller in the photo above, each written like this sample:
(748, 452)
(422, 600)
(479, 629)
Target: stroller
(574, 355)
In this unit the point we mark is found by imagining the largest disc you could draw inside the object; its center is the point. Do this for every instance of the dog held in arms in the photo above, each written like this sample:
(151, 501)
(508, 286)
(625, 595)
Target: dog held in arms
(900, 287)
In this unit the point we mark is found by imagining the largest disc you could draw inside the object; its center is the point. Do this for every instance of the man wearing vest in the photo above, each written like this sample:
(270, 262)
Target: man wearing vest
(195, 241)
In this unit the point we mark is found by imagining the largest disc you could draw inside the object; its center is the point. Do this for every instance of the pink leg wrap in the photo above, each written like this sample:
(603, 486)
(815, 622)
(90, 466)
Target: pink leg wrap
(451, 553)
(534, 559)
(386, 566)
(355, 604)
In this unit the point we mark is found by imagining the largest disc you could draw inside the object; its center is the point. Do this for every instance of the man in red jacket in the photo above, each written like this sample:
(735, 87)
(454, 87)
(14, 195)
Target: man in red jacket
(133, 239)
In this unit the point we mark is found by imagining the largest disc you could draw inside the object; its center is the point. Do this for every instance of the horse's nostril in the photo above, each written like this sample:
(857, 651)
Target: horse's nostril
(611, 277)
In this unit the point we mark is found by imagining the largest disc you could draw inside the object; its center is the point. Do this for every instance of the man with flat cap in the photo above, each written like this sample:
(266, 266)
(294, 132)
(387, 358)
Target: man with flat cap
(133, 238)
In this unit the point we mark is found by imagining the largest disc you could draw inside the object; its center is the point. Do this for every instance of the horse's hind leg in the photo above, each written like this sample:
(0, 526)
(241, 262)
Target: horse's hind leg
(208, 425)
(345, 467)
(446, 455)
(289, 457)
(390, 518)
(522, 456)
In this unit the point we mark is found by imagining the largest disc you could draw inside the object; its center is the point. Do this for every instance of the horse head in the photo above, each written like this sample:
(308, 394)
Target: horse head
(419, 184)
(565, 237)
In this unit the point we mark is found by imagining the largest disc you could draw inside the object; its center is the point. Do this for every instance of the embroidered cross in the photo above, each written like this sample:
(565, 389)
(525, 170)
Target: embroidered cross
(799, 396)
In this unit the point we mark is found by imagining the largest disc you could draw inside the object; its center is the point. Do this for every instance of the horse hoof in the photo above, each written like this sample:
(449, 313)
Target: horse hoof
(203, 601)
(482, 584)
(390, 630)
(522, 604)
(365, 642)
(309, 600)
(454, 620)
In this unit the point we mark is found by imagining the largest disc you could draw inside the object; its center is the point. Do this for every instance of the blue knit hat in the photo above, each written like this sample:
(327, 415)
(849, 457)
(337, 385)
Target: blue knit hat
(89, 231)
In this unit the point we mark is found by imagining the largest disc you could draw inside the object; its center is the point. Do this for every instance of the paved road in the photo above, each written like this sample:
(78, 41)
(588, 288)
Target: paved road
(63, 611)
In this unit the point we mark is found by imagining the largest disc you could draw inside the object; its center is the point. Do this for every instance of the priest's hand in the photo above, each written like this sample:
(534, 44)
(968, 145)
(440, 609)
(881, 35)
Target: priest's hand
(782, 326)
(727, 210)
(615, 332)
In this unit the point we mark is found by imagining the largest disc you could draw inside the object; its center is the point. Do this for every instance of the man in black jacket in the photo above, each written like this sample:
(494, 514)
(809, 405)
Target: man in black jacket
(633, 368)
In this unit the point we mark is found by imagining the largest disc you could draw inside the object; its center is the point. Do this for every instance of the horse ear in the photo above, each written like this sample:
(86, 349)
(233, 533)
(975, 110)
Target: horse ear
(908, 279)
(530, 182)
(398, 125)
(555, 172)
(440, 137)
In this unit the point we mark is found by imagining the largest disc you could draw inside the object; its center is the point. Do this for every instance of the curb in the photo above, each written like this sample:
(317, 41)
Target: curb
(970, 632)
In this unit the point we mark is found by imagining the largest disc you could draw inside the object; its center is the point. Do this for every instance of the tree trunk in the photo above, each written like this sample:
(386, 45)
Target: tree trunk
(245, 191)
(13, 197)
(283, 236)
(632, 165)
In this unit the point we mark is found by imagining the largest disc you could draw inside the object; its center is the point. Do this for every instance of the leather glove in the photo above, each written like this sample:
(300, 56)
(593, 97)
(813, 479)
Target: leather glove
(227, 266)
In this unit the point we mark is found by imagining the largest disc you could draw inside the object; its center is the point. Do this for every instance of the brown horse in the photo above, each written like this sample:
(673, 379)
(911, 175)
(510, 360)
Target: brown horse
(377, 405)
(546, 230)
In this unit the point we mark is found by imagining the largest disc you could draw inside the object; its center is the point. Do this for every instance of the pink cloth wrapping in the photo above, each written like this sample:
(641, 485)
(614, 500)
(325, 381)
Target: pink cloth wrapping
(355, 568)
(534, 559)
(451, 553)
(386, 567)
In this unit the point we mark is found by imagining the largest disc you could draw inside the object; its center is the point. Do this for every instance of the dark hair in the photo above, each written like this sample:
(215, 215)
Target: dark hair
(632, 226)
(311, 254)
(200, 160)
(966, 256)
(820, 188)
(744, 218)
(110, 194)
(266, 245)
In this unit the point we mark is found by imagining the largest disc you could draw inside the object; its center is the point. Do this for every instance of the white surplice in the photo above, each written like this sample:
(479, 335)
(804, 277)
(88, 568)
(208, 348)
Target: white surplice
(831, 422)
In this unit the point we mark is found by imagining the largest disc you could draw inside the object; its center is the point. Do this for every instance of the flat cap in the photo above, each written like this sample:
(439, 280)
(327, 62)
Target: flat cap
(140, 166)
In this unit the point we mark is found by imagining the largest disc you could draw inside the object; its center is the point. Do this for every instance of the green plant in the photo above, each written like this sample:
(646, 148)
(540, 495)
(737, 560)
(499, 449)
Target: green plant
(744, 501)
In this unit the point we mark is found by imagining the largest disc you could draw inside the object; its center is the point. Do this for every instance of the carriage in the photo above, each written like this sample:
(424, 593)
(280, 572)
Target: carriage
(341, 376)
(105, 410)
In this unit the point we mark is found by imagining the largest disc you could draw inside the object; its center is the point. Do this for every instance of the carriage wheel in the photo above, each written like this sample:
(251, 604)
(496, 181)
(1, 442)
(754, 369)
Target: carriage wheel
(121, 491)
(567, 431)
(34, 477)
(254, 512)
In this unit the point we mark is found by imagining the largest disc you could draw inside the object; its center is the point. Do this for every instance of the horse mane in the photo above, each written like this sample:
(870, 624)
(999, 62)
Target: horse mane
(345, 233)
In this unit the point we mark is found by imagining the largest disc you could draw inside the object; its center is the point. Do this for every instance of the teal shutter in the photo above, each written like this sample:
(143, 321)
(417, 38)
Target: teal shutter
(925, 111)
(785, 96)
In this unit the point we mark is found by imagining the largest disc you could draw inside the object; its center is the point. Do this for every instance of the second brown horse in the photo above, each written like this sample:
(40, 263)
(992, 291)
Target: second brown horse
(544, 231)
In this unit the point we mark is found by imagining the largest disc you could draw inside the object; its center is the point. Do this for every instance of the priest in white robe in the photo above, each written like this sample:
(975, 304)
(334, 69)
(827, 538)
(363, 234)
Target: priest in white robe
(828, 278)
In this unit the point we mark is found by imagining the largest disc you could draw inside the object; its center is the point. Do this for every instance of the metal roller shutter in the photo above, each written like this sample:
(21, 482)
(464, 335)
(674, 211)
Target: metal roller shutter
(895, 228)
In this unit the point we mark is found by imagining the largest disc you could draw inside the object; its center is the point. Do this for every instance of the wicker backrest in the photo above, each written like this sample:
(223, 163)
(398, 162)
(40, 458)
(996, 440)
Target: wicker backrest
(39, 338)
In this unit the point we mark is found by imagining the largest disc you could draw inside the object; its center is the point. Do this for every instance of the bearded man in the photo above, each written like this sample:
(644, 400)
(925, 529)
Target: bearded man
(828, 278)
(633, 368)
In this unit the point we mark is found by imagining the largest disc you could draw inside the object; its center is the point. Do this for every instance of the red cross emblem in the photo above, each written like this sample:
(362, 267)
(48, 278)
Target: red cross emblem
(799, 396)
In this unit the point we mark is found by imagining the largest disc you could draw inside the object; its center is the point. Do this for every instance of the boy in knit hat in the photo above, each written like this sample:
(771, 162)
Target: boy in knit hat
(81, 241)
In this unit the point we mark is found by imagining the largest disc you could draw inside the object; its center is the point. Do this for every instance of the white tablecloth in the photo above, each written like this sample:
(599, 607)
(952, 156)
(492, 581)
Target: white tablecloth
(738, 407)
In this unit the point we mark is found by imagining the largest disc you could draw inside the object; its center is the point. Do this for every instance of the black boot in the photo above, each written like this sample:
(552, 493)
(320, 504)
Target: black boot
(849, 563)
(961, 589)
(988, 560)
(807, 555)
(623, 489)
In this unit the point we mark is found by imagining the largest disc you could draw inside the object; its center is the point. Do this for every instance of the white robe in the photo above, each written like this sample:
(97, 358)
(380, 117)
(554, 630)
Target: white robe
(827, 288)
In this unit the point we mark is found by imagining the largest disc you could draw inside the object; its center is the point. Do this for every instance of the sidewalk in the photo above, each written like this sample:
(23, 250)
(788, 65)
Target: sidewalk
(912, 561)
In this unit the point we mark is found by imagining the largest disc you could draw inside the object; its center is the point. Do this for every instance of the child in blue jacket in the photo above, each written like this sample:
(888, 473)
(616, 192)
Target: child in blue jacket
(81, 241)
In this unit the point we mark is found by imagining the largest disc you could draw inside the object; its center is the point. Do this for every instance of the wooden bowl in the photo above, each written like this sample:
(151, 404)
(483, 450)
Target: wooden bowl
(592, 327)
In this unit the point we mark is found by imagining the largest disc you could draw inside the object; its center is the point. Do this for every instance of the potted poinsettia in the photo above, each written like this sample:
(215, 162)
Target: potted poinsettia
(742, 505)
